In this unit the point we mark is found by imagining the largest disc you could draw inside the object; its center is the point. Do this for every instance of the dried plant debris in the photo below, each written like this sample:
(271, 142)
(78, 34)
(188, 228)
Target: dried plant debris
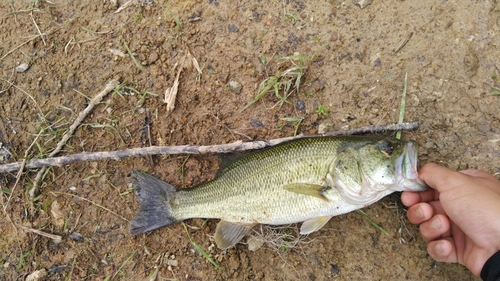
(278, 238)
(4, 153)
(362, 3)
(131, 3)
(187, 62)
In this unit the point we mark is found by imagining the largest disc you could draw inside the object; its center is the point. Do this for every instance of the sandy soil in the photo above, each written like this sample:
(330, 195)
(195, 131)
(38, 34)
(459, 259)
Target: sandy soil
(357, 65)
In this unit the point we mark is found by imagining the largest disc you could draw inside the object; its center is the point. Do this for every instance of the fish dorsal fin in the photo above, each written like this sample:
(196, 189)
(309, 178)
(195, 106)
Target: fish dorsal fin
(230, 158)
(307, 189)
(227, 234)
(312, 225)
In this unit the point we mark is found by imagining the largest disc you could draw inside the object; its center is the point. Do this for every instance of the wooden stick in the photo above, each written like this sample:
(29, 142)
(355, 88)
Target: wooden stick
(238, 146)
(97, 99)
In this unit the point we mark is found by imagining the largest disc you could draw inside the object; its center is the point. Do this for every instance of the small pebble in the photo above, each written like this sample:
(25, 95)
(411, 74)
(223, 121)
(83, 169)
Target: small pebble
(362, 3)
(255, 243)
(233, 28)
(235, 87)
(256, 123)
(22, 67)
(334, 36)
(76, 237)
(37, 275)
(171, 262)
(301, 105)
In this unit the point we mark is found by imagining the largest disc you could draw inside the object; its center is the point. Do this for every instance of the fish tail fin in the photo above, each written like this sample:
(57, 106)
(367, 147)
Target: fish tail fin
(153, 196)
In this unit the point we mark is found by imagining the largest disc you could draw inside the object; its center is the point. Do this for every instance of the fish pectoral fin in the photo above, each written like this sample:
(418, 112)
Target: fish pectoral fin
(227, 234)
(312, 225)
(307, 189)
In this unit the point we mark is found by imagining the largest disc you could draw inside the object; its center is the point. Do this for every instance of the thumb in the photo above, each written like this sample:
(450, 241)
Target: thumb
(440, 178)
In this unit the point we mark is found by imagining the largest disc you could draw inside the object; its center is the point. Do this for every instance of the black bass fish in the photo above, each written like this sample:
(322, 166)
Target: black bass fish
(307, 180)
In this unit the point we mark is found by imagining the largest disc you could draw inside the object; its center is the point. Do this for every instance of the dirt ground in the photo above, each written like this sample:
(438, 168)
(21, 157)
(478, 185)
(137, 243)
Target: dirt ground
(357, 60)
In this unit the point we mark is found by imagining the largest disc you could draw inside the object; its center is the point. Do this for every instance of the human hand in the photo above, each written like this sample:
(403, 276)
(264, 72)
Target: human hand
(459, 216)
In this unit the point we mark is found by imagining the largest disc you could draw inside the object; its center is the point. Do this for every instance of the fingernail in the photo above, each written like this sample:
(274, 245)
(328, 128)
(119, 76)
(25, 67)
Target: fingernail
(439, 248)
(436, 224)
(419, 213)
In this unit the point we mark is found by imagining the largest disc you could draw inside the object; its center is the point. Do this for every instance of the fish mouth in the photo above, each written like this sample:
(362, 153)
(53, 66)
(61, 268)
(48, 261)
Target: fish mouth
(406, 169)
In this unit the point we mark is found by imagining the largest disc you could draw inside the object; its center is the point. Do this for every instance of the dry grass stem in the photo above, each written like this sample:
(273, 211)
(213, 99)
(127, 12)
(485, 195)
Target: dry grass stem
(19, 173)
(126, 5)
(54, 237)
(27, 41)
(38, 29)
(26, 93)
(171, 93)
(403, 43)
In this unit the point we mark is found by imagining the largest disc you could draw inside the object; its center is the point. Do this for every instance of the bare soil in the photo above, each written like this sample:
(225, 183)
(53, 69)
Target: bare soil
(359, 58)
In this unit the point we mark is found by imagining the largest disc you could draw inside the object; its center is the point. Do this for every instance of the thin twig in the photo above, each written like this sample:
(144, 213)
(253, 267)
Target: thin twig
(26, 93)
(20, 171)
(97, 99)
(403, 43)
(238, 146)
(10, 84)
(39, 232)
(27, 41)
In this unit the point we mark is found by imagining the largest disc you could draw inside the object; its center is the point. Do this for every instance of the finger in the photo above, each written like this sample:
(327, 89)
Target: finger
(410, 198)
(442, 250)
(437, 227)
(420, 213)
(439, 177)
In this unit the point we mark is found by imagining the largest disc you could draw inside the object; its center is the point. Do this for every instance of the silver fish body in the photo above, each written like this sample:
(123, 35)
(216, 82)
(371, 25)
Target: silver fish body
(307, 180)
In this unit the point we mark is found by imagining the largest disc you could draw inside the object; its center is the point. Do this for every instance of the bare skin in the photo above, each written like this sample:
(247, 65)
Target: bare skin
(458, 216)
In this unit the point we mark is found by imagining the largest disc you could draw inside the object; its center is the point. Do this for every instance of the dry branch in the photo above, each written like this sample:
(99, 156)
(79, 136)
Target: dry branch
(238, 146)
(97, 99)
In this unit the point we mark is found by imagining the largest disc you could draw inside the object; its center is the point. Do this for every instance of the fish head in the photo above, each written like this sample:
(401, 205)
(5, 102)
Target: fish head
(366, 172)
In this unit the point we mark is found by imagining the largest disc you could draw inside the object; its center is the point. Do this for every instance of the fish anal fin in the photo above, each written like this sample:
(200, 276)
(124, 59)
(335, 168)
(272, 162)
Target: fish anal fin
(227, 234)
(307, 189)
(312, 225)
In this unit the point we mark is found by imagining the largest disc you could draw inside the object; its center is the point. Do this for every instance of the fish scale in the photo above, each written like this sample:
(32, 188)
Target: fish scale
(262, 176)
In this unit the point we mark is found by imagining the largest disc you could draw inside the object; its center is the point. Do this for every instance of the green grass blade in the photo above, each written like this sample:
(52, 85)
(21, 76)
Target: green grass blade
(368, 219)
(200, 250)
(132, 56)
(403, 106)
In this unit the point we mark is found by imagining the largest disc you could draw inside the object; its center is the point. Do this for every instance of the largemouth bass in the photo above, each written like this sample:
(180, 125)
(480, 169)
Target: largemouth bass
(306, 180)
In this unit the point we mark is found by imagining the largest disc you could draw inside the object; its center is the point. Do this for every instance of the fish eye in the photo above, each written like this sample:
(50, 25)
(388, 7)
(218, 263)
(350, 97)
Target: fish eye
(386, 147)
